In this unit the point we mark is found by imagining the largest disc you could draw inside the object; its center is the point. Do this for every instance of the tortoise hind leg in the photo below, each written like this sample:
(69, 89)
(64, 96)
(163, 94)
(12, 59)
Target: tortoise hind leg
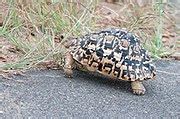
(68, 65)
(138, 87)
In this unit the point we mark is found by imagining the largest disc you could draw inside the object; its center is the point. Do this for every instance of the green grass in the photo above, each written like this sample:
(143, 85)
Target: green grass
(157, 49)
(155, 46)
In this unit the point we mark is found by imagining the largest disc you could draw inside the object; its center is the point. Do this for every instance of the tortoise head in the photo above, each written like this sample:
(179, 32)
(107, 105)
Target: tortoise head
(70, 42)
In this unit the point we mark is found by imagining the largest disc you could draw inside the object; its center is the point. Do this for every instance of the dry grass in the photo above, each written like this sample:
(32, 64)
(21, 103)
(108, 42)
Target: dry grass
(36, 28)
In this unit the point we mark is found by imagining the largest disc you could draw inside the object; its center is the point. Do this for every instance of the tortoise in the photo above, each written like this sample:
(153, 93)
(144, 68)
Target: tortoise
(116, 53)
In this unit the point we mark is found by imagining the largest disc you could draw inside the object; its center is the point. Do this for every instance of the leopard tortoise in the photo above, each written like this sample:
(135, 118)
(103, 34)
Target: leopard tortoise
(115, 53)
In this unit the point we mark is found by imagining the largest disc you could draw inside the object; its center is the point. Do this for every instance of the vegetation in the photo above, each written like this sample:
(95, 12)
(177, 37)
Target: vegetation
(33, 28)
(38, 27)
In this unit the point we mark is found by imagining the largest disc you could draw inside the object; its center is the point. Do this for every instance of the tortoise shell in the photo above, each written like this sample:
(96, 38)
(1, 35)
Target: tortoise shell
(116, 53)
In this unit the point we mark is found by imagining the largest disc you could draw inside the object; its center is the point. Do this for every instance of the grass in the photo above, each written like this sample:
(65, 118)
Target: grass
(36, 27)
(33, 28)
(156, 46)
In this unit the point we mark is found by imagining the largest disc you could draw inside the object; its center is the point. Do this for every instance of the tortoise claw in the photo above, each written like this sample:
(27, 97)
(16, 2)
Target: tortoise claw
(68, 72)
(138, 88)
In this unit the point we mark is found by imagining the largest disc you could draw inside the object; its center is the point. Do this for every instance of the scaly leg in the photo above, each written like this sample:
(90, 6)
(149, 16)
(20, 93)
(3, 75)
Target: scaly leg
(68, 65)
(138, 88)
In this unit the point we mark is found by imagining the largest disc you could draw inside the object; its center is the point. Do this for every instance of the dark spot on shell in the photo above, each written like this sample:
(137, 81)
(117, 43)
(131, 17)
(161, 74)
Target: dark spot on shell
(82, 43)
(100, 67)
(117, 70)
(111, 55)
(88, 52)
(99, 52)
(109, 66)
(108, 46)
(114, 59)
(93, 42)
(117, 50)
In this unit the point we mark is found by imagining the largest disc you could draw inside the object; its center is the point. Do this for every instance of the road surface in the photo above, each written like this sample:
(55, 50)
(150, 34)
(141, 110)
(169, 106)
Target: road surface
(47, 94)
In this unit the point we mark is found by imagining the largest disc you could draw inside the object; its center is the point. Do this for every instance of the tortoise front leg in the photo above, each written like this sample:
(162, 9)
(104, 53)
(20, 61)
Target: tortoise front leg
(68, 65)
(138, 87)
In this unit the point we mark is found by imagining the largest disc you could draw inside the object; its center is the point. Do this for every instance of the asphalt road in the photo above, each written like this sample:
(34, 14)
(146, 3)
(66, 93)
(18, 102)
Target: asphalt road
(47, 93)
